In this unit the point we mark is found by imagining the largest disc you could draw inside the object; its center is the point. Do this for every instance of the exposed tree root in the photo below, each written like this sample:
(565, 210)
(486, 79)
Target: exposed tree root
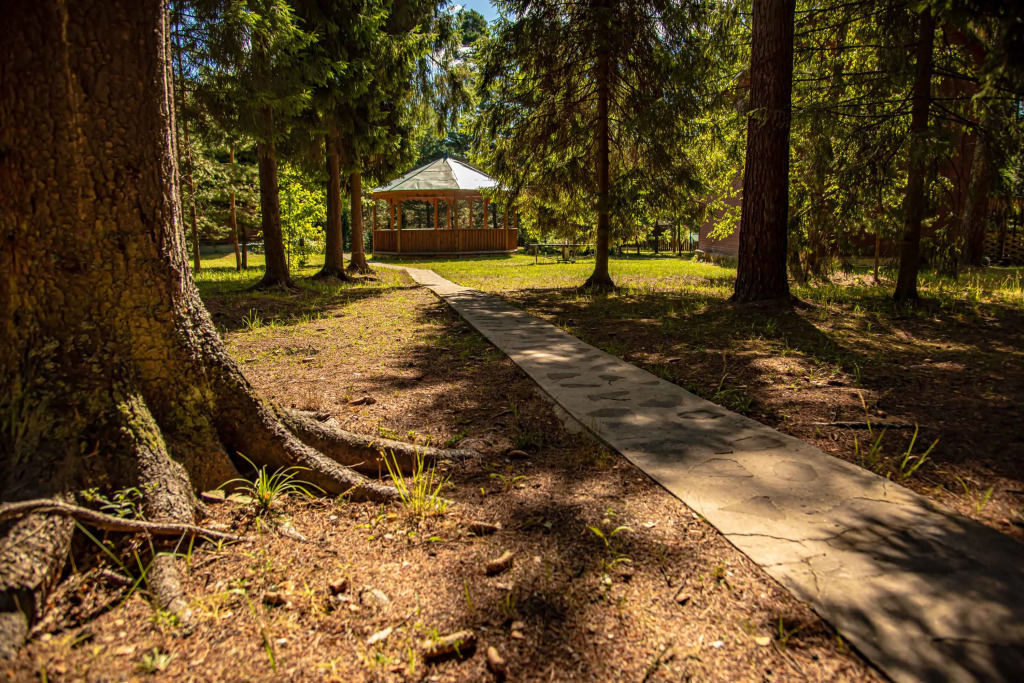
(359, 266)
(100, 520)
(32, 553)
(164, 583)
(596, 285)
(363, 453)
(339, 274)
(286, 285)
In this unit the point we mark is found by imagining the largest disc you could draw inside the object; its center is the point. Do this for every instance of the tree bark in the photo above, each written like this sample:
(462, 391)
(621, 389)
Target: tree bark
(232, 218)
(276, 274)
(975, 216)
(761, 271)
(334, 249)
(357, 261)
(600, 279)
(111, 370)
(914, 200)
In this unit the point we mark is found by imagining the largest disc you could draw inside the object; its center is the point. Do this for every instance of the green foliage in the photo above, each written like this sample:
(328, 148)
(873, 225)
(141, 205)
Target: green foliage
(538, 83)
(303, 214)
(472, 27)
(126, 503)
(215, 178)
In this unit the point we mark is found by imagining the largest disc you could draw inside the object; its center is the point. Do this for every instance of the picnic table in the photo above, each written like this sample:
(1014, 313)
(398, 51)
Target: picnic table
(568, 251)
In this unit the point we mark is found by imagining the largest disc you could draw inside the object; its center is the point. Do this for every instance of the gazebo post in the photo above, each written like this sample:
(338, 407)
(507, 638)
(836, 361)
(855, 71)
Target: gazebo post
(375, 215)
(398, 222)
(458, 233)
(437, 235)
(487, 205)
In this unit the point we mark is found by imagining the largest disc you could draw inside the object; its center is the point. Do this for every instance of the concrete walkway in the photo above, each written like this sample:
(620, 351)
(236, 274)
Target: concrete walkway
(924, 593)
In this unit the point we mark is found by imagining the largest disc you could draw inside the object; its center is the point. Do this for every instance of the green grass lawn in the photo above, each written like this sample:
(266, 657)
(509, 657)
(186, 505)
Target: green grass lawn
(632, 273)
(648, 273)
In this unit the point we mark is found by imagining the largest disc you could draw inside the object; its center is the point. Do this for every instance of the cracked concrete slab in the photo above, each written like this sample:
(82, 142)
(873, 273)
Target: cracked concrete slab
(924, 593)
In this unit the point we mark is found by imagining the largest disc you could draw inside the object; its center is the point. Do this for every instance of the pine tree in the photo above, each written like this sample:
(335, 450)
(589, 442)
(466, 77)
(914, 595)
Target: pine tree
(253, 82)
(761, 272)
(592, 103)
(914, 200)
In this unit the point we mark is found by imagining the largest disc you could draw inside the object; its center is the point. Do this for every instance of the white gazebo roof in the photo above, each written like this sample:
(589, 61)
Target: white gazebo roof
(441, 175)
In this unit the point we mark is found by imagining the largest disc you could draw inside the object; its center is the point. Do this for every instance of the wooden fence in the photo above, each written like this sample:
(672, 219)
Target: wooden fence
(1004, 243)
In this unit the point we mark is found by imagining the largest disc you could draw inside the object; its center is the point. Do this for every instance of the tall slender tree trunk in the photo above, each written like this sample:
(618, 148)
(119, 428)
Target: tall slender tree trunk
(334, 248)
(357, 262)
(914, 200)
(276, 274)
(761, 271)
(974, 220)
(111, 371)
(196, 262)
(232, 218)
(600, 279)
(878, 251)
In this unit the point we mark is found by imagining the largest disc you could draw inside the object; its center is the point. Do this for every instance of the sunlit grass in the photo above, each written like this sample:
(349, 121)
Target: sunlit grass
(635, 275)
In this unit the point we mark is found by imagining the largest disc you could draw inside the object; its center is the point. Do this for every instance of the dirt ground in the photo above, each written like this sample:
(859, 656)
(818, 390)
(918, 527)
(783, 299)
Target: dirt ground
(612, 578)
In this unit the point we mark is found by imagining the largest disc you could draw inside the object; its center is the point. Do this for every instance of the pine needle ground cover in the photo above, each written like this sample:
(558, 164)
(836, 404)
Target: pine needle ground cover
(844, 368)
(610, 578)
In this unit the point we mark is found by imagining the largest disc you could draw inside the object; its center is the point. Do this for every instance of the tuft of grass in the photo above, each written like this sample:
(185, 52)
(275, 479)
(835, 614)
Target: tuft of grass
(269, 488)
(252, 320)
(979, 499)
(154, 661)
(785, 634)
(871, 459)
(420, 492)
(910, 462)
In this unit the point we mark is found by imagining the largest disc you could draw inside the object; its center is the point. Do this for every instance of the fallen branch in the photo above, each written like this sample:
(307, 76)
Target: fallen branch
(107, 522)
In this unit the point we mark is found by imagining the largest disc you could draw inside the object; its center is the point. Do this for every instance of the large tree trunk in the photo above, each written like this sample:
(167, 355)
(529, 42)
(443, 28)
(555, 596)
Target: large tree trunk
(600, 279)
(914, 200)
(357, 262)
(111, 371)
(232, 218)
(761, 270)
(334, 249)
(276, 274)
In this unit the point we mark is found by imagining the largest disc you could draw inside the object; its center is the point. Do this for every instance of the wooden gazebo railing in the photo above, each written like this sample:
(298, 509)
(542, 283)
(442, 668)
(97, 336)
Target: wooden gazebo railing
(452, 218)
(446, 235)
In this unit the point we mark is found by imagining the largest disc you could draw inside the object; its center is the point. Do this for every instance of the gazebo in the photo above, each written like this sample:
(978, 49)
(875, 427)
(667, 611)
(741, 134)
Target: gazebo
(438, 210)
